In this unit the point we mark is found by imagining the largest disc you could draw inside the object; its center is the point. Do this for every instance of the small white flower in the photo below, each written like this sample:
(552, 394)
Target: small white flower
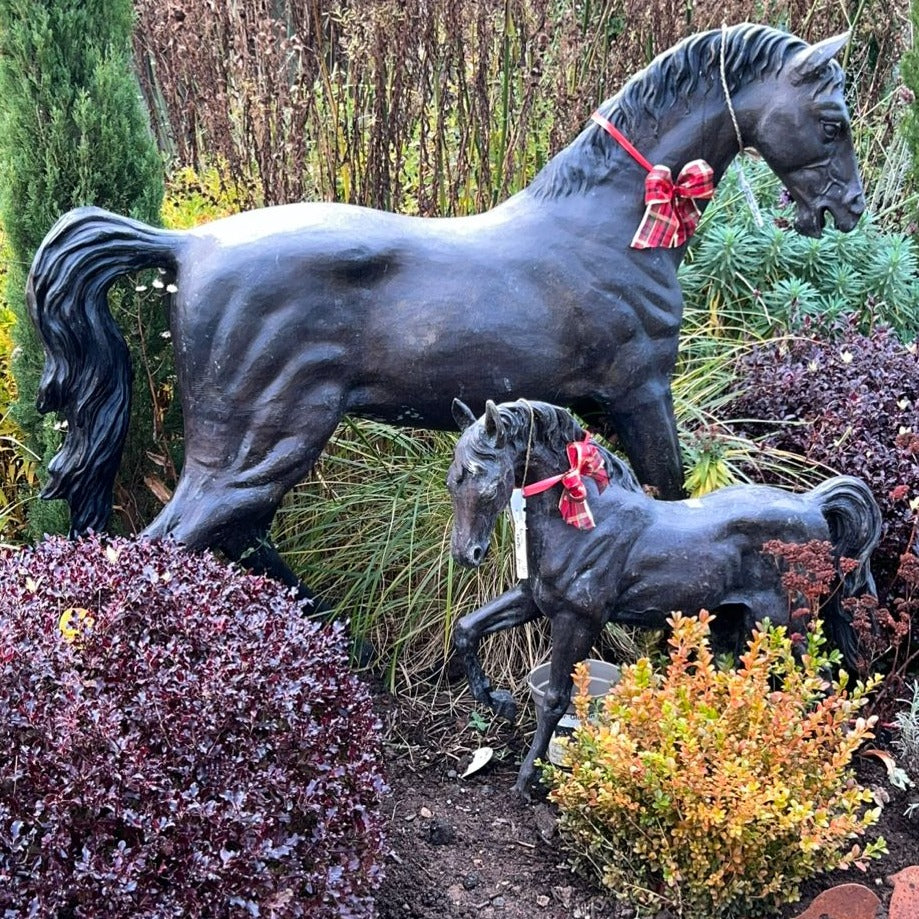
(904, 430)
(903, 404)
(60, 425)
(140, 288)
(171, 289)
(812, 366)
(167, 334)
(157, 283)
(846, 357)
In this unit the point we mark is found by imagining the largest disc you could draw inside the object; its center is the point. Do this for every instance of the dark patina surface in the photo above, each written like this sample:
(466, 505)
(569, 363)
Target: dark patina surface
(288, 318)
(643, 559)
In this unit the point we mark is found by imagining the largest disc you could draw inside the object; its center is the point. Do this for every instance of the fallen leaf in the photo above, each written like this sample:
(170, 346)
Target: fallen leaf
(158, 488)
(479, 759)
(895, 775)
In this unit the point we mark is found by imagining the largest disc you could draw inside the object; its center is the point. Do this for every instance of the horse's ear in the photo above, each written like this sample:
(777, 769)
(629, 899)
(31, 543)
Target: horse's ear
(494, 426)
(462, 414)
(806, 64)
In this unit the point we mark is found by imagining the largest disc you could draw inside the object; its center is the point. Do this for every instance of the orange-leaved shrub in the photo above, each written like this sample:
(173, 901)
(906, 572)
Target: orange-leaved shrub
(715, 792)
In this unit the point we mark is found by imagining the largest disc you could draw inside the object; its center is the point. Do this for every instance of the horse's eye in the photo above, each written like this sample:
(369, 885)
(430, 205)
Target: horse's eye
(831, 129)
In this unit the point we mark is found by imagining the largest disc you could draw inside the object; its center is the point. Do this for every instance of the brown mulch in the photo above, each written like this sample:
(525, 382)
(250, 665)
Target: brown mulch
(469, 848)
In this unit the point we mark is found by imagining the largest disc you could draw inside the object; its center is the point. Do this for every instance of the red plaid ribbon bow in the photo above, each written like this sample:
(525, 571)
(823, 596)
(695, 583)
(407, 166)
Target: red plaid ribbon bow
(586, 461)
(671, 213)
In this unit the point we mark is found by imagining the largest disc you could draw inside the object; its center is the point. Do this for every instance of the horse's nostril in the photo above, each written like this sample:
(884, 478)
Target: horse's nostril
(475, 556)
(856, 202)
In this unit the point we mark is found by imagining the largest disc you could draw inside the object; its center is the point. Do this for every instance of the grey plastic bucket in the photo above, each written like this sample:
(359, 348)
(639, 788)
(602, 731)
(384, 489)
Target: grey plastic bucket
(603, 676)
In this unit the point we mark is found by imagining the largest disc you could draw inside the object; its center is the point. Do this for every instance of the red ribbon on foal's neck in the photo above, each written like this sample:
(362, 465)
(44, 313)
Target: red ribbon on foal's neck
(671, 213)
(585, 460)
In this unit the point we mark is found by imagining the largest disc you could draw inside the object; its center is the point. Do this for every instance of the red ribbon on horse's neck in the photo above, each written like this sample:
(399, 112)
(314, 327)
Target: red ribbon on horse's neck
(585, 460)
(671, 213)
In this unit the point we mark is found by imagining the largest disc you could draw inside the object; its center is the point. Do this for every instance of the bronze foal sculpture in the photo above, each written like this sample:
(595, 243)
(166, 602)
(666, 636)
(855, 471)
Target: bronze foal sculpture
(641, 559)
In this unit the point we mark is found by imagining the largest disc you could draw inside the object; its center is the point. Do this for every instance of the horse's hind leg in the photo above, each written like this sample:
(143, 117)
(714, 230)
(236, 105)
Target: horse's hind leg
(253, 549)
(515, 607)
(573, 636)
(233, 480)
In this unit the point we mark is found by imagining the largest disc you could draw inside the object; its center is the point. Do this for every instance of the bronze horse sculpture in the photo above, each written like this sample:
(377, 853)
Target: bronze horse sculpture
(287, 318)
(642, 558)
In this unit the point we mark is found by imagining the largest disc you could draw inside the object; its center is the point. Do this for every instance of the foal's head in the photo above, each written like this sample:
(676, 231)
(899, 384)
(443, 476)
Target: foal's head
(509, 443)
(480, 481)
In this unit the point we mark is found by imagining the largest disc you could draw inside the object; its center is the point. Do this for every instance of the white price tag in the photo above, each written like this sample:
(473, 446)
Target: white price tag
(519, 521)
(749, 196)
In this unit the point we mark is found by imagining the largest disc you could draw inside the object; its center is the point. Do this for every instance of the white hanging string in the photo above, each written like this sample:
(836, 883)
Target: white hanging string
(742, 178)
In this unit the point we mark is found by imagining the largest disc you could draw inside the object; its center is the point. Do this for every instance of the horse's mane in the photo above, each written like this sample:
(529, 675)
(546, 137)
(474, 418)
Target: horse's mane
(669, 80)
(526, 421)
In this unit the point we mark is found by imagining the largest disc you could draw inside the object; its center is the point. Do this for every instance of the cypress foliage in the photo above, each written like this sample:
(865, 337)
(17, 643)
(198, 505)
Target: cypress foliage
(73, 131)
(909, 73)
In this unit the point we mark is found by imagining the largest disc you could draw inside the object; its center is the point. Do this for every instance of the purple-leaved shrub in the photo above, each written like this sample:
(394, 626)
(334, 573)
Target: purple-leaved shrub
(848, 400)
(176, 740)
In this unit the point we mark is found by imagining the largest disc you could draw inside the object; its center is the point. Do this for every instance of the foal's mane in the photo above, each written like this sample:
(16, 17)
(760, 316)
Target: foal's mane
(669, 80)
(539, 423)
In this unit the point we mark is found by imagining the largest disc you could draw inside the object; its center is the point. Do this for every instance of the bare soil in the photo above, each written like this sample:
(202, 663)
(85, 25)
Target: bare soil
(469, 848)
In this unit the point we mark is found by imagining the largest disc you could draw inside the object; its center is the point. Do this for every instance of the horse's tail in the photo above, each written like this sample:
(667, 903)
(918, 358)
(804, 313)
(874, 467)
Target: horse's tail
(854, 519)
(87, 375)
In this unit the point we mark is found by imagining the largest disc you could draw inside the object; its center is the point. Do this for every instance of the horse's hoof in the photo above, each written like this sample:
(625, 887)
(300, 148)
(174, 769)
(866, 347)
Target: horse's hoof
(503, 704)
(523, 787)
(525, 793)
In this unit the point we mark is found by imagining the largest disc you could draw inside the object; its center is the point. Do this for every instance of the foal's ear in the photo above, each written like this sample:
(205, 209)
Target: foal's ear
(462, 414)
(807, 63)
(494, 426)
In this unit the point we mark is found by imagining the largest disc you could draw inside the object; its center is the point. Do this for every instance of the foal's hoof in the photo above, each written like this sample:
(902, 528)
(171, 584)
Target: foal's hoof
(503, 704)
(526, 785)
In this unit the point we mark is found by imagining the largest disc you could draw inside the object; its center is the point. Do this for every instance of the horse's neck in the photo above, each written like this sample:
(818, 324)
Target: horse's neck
(535, 463)
(699, 128)
(542, 508)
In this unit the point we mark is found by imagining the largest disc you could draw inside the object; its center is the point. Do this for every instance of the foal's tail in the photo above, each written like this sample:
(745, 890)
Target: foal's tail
(87, 375)
(854, 520)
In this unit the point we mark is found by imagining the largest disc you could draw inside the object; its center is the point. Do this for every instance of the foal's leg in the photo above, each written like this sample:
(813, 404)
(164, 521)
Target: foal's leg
(515, 607)
(573, 635)
(648, 436)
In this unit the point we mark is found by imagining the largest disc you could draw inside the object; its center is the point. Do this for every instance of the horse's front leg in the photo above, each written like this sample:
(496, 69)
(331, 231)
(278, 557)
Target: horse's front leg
(648, 436)
(515, 607)
(573, 635)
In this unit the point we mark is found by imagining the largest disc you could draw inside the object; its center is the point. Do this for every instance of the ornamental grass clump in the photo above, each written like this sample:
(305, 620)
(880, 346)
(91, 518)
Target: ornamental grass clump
(176, 740)
(715, 792)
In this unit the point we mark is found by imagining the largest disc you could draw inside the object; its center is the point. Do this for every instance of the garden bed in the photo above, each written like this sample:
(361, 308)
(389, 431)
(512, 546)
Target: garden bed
(470, 849)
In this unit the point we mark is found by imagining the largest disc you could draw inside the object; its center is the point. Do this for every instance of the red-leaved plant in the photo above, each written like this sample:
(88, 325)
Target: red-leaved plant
(176, 740)
(850, 401)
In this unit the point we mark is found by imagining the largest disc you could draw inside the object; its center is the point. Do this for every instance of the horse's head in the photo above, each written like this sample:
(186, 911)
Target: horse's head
(480, 481)
(801, 127)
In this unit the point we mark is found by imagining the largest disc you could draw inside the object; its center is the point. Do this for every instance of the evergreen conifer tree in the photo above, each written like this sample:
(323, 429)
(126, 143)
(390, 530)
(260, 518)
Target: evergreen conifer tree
(909, 73)
(74, 131)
